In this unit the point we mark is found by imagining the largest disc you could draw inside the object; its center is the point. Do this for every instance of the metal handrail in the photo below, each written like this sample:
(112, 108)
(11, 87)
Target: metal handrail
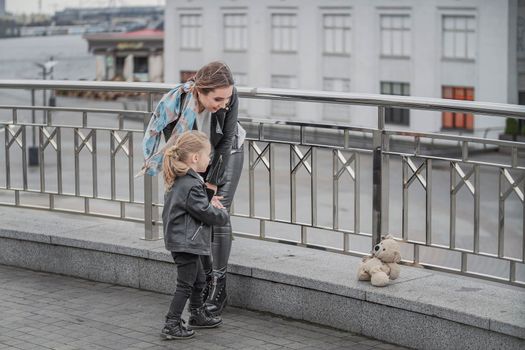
(423, 103)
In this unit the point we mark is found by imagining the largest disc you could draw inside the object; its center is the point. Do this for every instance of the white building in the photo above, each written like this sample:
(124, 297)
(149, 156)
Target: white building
(464, 49)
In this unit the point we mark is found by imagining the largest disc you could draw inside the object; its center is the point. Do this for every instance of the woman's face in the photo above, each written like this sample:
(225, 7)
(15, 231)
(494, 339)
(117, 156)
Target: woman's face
(216, 99)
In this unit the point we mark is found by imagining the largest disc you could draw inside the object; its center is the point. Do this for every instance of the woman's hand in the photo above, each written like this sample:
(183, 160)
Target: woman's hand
(216, 202)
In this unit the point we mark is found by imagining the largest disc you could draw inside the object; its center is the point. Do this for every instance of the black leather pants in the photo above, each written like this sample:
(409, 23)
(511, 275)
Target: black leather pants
(222, 235)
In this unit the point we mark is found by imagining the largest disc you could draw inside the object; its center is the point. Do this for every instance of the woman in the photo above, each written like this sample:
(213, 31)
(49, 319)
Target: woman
(208, 102)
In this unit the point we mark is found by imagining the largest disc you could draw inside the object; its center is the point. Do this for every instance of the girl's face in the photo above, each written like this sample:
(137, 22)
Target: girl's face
(216, 99)
(202, 159)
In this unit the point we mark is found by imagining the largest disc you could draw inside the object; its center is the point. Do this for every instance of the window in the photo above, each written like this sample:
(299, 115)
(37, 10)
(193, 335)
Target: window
(284, 32)
(456, 120)
(235, 32)
(241, 79)
(336, 111)
(190, 32)
(398, 116)
(140, 64)
(140, 68)
(459, 37)
(336, 34)
(282, 108)
(119, 66)
(395, 35)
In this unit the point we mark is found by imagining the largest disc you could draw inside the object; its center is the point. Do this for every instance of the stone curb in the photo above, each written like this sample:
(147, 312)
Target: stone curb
(260, 285)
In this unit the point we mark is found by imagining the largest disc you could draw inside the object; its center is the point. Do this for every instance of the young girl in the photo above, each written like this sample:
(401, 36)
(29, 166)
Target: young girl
(187, 217)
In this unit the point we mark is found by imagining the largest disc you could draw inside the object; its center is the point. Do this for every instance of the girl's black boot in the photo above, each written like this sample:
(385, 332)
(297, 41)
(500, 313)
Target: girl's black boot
(174, 329)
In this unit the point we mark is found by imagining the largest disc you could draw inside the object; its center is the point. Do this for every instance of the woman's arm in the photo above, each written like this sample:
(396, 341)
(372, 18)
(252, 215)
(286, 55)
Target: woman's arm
(223, 148)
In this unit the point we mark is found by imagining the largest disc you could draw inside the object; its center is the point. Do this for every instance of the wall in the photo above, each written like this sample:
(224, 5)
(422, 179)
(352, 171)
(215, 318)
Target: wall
(492, 73)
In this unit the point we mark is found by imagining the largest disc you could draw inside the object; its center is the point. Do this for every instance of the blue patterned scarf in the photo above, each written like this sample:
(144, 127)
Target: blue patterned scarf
(167, 110)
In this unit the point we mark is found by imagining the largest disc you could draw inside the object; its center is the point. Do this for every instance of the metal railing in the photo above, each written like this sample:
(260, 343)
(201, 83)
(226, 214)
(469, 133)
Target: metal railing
(87, 158)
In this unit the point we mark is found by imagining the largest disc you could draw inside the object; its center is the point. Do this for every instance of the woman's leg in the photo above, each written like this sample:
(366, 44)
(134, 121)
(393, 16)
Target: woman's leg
(222, 235)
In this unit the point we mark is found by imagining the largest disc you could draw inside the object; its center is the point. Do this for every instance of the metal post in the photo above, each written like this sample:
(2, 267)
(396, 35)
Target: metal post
(44, 91)
(377, 179)
(151, 189)
(385, 183)
(33, 119)
(33, 149)
(376, 191)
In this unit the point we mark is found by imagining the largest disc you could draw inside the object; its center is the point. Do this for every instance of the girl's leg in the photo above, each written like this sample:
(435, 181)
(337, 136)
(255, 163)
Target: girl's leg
(222, 235)
(187, 270)
(207, 265)
(199, 317)
(198, 286)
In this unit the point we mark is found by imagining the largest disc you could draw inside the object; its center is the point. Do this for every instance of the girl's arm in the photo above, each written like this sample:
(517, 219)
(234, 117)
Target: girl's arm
(200, 208)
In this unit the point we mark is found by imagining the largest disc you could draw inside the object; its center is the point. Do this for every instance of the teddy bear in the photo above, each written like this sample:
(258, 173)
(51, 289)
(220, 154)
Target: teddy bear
(381, 265)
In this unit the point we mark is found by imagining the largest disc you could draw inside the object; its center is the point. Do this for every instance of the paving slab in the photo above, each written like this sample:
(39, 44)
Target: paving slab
(90, 317)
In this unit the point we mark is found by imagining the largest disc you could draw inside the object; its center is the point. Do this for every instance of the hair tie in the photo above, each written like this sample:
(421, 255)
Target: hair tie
(187, 86)
(172, 152)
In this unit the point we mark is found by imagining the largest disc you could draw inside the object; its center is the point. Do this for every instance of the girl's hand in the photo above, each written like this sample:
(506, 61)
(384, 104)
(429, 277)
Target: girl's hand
(216, 202)
(212, 187)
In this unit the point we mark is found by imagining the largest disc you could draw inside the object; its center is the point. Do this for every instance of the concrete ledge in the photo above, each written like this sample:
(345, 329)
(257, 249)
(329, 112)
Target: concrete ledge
(422, 309)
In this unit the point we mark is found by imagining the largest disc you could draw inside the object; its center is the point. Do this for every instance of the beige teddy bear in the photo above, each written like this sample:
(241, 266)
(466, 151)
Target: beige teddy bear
(382, 264)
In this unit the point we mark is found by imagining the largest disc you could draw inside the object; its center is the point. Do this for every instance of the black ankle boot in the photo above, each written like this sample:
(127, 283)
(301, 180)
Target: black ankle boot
(175, 330)
(208, 287)
(200, 318)
(217, 298)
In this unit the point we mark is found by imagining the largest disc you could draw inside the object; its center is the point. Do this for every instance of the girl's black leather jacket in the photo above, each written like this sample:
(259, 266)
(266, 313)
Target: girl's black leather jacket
(188, 216)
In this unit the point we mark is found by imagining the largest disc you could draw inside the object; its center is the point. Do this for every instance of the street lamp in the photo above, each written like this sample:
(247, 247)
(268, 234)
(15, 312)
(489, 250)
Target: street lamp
(47, 69)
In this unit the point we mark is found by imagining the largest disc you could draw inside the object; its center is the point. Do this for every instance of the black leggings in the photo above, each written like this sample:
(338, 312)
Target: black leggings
(222, 235)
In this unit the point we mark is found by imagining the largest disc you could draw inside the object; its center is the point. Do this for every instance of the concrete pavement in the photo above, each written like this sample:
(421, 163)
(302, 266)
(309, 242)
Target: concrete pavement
(46, 311)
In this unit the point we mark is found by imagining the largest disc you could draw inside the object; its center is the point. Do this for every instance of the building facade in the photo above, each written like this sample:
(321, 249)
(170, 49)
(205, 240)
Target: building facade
(460, 49)
(132, 56)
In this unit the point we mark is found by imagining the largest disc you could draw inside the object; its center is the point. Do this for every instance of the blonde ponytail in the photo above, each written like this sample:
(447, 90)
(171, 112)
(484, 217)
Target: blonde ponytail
(175, 163)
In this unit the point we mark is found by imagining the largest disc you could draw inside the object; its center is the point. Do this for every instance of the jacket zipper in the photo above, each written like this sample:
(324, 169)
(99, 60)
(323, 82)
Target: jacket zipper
(196, 232)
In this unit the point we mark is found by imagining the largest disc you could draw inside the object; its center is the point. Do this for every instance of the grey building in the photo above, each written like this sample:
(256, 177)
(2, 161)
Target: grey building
(460, 49)
(82, 15)
(132, 56)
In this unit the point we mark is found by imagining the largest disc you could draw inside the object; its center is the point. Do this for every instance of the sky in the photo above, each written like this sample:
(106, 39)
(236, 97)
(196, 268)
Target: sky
(50, 6)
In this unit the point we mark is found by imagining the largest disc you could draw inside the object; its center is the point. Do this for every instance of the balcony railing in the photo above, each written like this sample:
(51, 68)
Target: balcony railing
(332, 187)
